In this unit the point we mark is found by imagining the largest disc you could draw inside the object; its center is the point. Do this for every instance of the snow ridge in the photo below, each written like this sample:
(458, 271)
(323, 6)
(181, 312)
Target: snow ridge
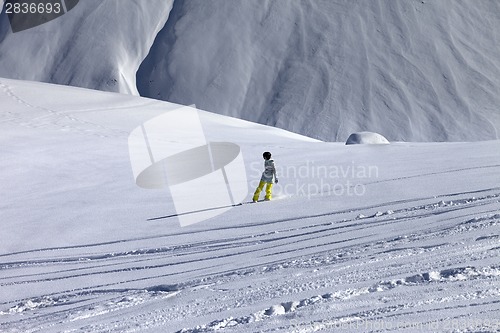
(411, 70)
(97, 45)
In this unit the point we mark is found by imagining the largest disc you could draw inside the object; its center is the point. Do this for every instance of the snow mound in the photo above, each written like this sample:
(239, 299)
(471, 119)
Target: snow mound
(366, 138)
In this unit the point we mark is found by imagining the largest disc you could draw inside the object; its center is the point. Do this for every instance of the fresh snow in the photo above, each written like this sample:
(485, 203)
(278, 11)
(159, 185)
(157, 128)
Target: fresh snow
(98, 45)
(410, 70)
(361, 238)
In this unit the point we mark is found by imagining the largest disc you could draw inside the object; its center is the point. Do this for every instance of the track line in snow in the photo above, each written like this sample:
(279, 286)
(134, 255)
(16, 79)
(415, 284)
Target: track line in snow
(256, 241)
(461, 215)
(256, 246)
(60, 120)
(451, 275)
(376, 208)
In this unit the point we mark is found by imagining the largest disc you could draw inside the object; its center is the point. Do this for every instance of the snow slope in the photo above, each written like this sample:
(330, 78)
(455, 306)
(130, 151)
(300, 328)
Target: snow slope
(410, 70)
(97, 45)
(402, 237)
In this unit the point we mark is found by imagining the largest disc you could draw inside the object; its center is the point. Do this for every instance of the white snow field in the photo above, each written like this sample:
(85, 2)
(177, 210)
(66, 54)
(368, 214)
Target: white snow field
(411, 70)
(402, 237)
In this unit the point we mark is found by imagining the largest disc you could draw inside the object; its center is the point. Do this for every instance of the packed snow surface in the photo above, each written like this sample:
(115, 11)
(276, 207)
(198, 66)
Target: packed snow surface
(360, 238)
(410, 70)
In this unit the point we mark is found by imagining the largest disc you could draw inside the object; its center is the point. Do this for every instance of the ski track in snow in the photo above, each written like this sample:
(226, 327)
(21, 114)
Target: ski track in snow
(44, 117)
(293, 265)
(449, 275)
(413, 254)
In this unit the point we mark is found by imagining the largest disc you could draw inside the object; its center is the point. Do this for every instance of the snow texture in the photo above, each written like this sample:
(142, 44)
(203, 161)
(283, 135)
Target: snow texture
(410, 70)
(97, 45)
(401, 238)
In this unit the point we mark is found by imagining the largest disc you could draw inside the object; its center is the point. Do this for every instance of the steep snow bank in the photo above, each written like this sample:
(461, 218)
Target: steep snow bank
(97, 45)
(413, 70)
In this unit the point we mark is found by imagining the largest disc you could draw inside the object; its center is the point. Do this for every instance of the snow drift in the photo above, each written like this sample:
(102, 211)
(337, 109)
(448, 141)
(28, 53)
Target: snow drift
(413, 70)
(366, 138)
(97, 45)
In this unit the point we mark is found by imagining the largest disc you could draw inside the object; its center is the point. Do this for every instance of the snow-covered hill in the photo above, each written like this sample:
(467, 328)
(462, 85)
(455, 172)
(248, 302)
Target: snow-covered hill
(402, 237)
(97, 45)
(411, 70)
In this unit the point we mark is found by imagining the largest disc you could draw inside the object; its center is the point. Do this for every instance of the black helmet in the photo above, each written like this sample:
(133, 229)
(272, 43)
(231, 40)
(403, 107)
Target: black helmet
(267, 155)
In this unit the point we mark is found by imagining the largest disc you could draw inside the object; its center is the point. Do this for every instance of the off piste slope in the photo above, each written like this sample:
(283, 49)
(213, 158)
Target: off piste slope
(410, 70)
(96, 45)
(401, 237)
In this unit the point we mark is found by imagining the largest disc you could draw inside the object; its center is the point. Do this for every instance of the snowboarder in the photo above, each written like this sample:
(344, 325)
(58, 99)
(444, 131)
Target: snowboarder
(267, 178)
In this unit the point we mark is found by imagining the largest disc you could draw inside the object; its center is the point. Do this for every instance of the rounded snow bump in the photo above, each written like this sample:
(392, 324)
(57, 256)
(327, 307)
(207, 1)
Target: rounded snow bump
(366, 138)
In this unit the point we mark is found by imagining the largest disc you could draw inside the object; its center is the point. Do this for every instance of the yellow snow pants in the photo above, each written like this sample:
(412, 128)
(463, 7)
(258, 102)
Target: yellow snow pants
(259, 189)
